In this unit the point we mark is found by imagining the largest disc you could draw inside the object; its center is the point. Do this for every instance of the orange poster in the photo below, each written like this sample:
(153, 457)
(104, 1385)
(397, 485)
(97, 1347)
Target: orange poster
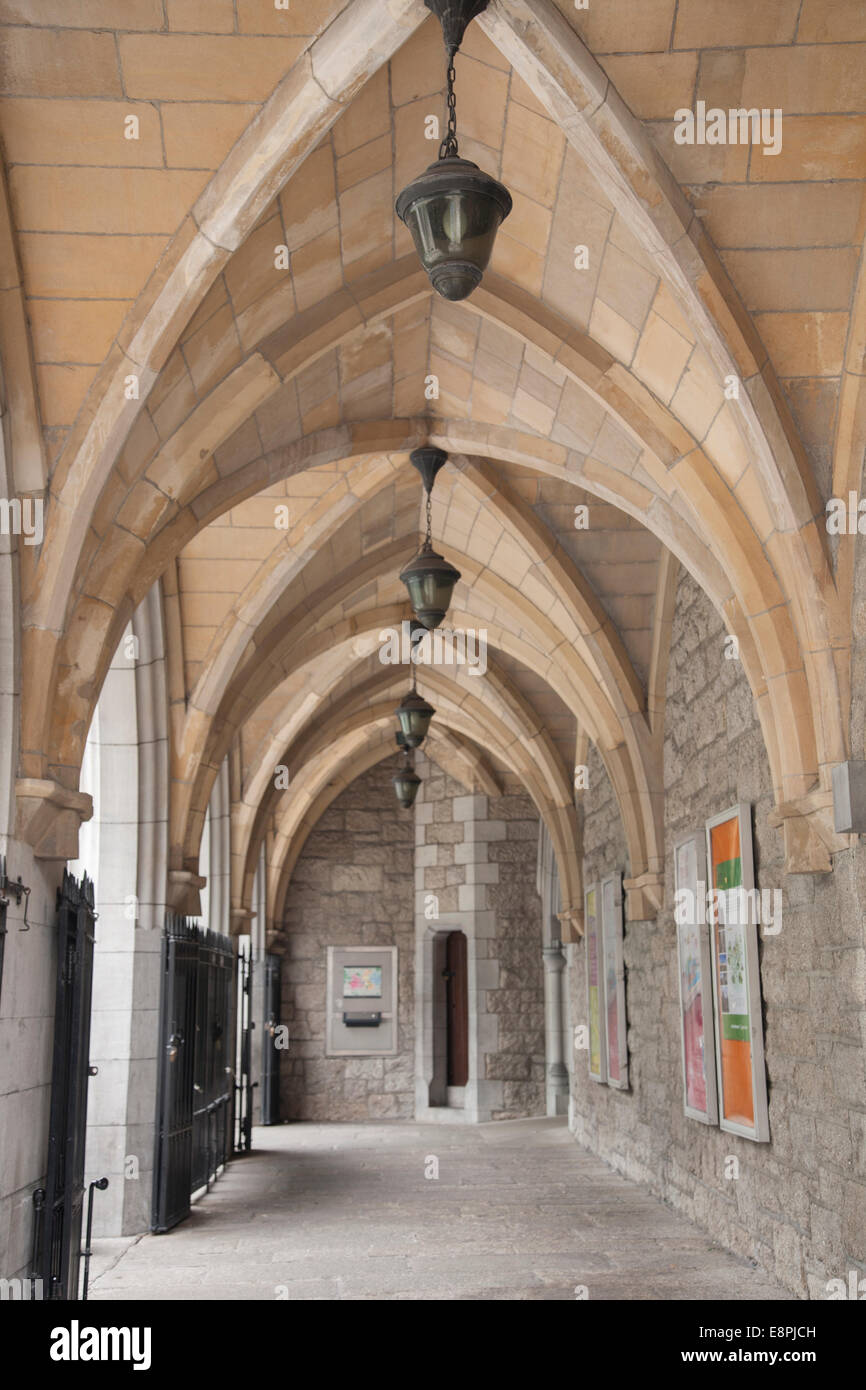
(730, 925)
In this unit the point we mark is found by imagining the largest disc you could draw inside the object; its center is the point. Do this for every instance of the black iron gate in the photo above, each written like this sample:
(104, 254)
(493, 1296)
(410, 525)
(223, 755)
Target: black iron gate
(195, 1082)
(173, 1168)
(270, 1051)
(60, 1206)
(244, 1085)
(212, 1111)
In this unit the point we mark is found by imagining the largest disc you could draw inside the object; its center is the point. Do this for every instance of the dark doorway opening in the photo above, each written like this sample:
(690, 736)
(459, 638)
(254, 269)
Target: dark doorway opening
(456, 1009)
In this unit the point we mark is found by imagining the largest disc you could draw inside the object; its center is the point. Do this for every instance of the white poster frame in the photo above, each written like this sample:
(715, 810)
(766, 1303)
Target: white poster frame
(759, 1131)
(592, 931)
(612, 928)
(696, 888)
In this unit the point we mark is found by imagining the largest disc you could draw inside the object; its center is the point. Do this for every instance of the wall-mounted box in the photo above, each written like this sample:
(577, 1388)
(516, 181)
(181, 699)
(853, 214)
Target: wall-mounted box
(849, 798)
(361, 1014)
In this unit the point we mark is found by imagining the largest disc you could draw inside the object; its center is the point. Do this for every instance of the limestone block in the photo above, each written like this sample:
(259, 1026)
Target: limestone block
(469, 808)
(187, 67)
(59, 63)
(23, 1135)
(49, 817)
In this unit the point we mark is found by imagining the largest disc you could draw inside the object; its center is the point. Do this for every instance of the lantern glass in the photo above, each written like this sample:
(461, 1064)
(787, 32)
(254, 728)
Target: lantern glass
(430, 580)
(414, 715)
(454, 211)
(406, 784)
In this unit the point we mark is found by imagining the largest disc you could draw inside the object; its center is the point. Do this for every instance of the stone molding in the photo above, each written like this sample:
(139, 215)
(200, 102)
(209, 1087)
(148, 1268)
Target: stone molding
(571, 919)
(811, 839)
(184, 892)
(644, 896)
(49, 817)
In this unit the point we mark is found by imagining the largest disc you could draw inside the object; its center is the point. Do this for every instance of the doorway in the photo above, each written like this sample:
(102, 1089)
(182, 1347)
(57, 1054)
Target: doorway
(448, 1040)
(451, 1026)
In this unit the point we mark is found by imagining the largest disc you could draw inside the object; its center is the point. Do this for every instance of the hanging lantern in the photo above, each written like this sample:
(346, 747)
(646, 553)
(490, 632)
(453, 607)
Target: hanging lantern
(406, 783)
(454, 209)
(430, 580)
(429, 577)
(414, 715)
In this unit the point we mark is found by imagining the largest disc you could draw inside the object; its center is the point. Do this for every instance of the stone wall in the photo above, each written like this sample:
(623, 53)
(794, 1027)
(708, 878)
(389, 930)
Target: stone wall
(352, 886)
(519, 1000)
(799, 1203)
(26, 1045)
(477, 855)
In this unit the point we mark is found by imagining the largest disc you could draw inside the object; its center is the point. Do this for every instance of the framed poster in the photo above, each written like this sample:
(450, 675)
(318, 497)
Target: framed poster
(742, 1081)
(594, 985)
(362, 982)
(613, 978)
(695, 973)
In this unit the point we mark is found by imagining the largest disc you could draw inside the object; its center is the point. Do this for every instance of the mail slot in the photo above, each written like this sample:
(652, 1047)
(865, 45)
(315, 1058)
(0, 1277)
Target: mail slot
(362, 1020)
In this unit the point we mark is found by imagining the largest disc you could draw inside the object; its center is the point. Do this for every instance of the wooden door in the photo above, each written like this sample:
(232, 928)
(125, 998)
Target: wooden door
(458, 1009)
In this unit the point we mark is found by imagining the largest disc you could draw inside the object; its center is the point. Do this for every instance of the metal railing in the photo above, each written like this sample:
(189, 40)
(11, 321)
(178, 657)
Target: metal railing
(195, 1080)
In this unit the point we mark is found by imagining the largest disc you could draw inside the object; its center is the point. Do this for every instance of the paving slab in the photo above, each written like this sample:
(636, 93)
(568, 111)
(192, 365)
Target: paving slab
(335, 1212)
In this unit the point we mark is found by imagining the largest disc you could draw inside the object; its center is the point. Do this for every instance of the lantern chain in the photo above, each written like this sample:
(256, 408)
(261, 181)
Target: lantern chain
(430, 518)
(448, 149)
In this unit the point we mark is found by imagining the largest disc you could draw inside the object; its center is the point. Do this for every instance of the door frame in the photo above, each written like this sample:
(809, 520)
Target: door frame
(483, 1029)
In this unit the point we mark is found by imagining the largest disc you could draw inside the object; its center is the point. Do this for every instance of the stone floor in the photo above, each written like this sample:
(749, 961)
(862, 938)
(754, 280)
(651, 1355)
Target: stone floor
(518, 1211)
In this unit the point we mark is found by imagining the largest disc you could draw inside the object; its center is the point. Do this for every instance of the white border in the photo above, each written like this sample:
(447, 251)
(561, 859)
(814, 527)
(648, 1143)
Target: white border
(760, 1131)
(600, 1076)
(710, 1116)
(614, 881)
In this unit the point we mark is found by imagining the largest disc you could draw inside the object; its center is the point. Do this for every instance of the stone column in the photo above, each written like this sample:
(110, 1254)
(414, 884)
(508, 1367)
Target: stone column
(556, 1075)
(124, 848)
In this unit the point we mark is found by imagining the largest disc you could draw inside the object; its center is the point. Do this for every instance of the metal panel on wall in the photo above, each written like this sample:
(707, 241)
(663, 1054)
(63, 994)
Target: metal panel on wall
(362, 1001)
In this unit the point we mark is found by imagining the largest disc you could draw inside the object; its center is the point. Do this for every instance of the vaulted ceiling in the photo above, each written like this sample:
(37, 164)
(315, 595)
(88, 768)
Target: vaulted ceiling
(181, 380)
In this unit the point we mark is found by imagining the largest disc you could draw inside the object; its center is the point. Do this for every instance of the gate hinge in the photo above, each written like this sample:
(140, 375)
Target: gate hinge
(16, 890)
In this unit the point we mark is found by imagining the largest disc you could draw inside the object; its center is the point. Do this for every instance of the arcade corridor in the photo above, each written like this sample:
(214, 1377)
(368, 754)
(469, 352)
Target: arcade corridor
(333, 1212)
(433, 649)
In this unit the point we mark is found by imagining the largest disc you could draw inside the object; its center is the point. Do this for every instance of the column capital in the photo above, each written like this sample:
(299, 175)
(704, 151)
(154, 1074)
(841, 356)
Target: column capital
(572, 923)
(554, 960)
(811, 838)
(644, 896)
(49, 817)
(184, 892)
